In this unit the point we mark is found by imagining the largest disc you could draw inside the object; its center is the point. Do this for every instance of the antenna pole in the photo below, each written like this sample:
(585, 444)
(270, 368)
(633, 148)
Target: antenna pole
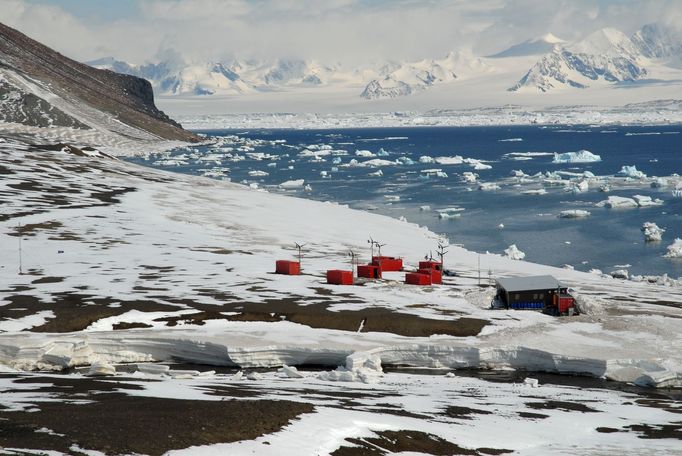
(479, 269)
(21, 269)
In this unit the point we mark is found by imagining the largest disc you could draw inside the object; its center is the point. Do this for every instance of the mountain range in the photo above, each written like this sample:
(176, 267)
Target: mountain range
(542, 64)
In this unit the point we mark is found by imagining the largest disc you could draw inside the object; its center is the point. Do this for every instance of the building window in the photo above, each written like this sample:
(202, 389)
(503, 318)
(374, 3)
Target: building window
(535, 297)
(517, 297)
(542, 296)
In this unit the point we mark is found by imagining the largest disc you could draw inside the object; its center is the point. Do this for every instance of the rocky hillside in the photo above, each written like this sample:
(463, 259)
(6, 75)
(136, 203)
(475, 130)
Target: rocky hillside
(39, 87)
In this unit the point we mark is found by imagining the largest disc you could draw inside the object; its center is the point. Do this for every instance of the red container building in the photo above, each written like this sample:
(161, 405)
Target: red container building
(388, 263)
(287, 267)
(435, 274)
(339, 277)
(369, 271)
(415, 278)
(437, 265)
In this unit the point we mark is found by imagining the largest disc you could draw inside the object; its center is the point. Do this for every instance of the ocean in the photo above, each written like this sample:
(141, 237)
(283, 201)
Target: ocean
(608, 239)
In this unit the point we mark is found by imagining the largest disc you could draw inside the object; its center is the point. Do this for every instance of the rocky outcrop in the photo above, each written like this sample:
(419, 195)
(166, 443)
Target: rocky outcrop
(127, 99)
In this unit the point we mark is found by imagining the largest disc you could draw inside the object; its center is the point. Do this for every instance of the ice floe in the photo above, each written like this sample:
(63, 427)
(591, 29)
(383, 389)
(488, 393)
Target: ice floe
(292, 184)
(574, 213)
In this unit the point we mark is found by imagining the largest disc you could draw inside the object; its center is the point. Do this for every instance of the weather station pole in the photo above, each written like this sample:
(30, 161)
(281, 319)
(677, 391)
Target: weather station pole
(21, 269)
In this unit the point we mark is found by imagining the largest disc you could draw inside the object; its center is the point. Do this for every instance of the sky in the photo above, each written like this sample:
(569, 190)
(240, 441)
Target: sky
(330, 31)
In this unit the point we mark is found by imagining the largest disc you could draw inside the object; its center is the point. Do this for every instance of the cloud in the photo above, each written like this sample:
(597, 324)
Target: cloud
(349, 31)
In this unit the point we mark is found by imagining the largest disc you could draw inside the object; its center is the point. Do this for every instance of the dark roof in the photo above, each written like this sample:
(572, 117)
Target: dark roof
(545, 282)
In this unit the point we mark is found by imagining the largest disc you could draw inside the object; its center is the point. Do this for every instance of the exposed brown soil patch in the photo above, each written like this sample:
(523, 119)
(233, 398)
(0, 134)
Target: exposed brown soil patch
(658, 431)
(112, 424)
(376, 319)
(454, 411)
(388, 442)
(73, 311)
(126, 325)
(561, 405)
(532, 416)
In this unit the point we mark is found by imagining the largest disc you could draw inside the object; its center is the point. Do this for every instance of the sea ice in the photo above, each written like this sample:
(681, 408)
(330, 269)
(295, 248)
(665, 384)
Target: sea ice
(646, 201)
(426, 159)
(488, 186)
(674, 249)
(514, 253)
(377, 173)
(364, 153)
(618, 202)
(652, 232)
(581, 156)
(574, 213)
(456, 160)
(258, 173)
(292, 184)
(468, 176)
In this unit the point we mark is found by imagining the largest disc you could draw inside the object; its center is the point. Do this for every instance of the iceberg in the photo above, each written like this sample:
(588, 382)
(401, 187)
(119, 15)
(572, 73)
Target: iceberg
(291, 184)
(485, 186)
(456, 160)
(630, 171)
(582, 156)
(514, 253)
(647, 201)
(674, 249)
(426, 159)
(364, 153)
(377, 173)
(618, 202)
(574, 213)
(468, 176)
(258, 173)
(652, 232)
(437, 172)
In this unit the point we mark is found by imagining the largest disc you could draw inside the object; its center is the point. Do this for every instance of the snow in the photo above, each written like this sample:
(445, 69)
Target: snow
(581, 156)
(223, 237)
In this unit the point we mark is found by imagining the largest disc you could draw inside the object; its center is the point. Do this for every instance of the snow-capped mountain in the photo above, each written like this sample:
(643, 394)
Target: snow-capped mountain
(407, 78)
(656, 41)
(536, 46)
(603, 58)
(606, 55)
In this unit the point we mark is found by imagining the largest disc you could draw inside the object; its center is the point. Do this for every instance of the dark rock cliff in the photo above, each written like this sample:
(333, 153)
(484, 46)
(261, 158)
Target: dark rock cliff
(126, 98)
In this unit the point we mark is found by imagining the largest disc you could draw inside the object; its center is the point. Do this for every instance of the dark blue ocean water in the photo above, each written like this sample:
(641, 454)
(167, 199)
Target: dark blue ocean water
(607, 239)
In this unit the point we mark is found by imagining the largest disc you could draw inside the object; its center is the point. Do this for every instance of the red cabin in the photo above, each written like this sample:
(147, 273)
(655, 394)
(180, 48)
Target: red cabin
(415, 278)
(339, 277)
(388, 263)
(437, 265)
(287, 267)
(369, 271)
(435, 274)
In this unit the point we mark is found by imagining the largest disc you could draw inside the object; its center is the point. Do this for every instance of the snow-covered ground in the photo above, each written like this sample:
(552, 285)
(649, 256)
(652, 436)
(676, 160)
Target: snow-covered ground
(126, 264)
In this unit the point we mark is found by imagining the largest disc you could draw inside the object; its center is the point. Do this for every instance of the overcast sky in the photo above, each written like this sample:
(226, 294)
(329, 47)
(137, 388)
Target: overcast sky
(347, 31)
